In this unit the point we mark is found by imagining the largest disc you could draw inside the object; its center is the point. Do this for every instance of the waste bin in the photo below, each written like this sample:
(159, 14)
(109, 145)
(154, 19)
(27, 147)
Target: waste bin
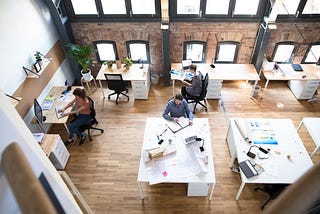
(155, 79)
(255, 89)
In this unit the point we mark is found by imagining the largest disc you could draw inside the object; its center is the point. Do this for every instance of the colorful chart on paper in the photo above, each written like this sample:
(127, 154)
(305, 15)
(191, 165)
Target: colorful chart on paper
(262, 133)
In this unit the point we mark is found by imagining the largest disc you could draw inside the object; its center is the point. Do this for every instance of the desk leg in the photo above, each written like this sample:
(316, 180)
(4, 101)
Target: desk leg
(101, 89)
(140, 190)
(300, 124)
(265, 88)
(240, 190)
(212, 188)
(65, 125)
(173, 87)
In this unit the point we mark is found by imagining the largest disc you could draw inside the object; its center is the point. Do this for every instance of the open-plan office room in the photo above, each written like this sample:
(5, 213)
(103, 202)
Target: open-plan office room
(261, 106)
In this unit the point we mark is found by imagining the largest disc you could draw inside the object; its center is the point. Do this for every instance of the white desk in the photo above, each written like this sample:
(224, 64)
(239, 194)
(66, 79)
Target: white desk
(302, 84)
(218, 74)
(139, 77)
(312, 124)
(183, 165)
(278, 168)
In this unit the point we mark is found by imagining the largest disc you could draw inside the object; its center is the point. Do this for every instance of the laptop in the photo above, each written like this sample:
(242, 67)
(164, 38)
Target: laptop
(297, 67)
(190, 139)
(186, 64)
(59, 114)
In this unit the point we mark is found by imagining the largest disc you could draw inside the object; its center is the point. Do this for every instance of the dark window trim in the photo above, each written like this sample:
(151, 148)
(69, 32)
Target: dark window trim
(105, 42)
(294, 51)
(204, 51)
(307, 52)
(140, 42)
(235, 59)
(128, 17)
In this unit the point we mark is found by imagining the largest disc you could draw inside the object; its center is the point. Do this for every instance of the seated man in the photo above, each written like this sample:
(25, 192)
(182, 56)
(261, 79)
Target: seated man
(177, 107)
(195, 86)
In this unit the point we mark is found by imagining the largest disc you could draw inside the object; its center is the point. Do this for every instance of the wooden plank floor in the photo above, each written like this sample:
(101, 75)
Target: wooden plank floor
(105, 170)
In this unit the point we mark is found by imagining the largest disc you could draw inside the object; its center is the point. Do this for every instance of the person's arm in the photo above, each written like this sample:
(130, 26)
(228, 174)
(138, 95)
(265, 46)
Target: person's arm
(188, 112)
(74, 111)
(71, 103)
(166, 112)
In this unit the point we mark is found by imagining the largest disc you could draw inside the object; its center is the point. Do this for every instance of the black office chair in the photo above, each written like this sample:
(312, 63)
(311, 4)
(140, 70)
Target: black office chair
(117, 84)
(90, 125)
(202, 97)
(273, 190)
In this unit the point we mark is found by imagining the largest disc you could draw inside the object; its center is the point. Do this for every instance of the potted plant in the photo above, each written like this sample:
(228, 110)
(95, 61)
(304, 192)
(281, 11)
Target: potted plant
(109, 63)
(38, 56)
(127, 63)
(82, 56)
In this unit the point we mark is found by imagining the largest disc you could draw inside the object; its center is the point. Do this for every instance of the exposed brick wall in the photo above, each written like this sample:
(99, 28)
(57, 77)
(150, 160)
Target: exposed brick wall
(288, 32)
(245, 33)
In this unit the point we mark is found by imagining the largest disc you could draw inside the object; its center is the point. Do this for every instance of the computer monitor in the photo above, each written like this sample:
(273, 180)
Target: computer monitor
(38, 111)
(186, 63)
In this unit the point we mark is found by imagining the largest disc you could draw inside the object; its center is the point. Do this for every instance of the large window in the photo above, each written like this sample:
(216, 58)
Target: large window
(195, 50)
(113, 10)
(138, 50)
(227, 52)
(313, 53)
(299, 9)
(217, 8)
(106, 50)
(284, 52)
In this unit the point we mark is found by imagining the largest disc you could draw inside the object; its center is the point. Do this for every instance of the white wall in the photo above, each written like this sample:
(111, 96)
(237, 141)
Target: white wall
(26, 27)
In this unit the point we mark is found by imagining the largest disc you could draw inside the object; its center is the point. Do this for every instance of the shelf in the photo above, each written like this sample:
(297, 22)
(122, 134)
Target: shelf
(32, 73)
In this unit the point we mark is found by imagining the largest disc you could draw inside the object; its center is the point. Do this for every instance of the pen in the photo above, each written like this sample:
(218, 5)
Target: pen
(163, 132)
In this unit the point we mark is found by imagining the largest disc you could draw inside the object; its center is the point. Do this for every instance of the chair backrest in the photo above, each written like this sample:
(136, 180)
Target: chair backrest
(205, 83)
(92, 110)
(115, 82)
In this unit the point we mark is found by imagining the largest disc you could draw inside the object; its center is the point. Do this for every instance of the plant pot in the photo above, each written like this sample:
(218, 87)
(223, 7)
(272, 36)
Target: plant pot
(86, 76)
(127, 68)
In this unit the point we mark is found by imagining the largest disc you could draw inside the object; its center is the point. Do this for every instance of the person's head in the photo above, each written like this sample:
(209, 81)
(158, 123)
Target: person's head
(80, 92)
(178, 98)
(193, 67)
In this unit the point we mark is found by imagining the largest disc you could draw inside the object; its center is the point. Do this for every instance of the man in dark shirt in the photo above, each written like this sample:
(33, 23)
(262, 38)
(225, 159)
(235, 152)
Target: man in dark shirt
(177, 107)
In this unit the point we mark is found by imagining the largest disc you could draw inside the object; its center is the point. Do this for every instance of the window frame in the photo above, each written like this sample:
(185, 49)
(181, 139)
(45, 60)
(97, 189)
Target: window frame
(307, 52)
(235, 58)
(113, 43)
(148, 61)
(128, 17)
(294, 51)
(204, 50)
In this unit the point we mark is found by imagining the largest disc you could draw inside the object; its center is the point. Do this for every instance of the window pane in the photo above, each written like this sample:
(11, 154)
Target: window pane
(312, 7)
(188, 6)
(143, 6)
(226, 53)
(84, 7)
(106, 52)
(290, 6)
(138, 51)
(217, 7)
(246, 7)
(283, 53)
(194, 52)
(118, 7)
(313, 54)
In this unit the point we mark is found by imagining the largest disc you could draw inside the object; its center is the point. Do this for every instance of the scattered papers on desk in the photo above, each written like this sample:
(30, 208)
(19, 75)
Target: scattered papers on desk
(38, 136)
(48, 102)
(66, 98)
(262, 133)
(182, 123)
(173, 167)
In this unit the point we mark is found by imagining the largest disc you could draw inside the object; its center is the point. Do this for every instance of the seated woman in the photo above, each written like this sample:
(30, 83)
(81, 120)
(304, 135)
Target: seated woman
(82, 110)
(194, 88)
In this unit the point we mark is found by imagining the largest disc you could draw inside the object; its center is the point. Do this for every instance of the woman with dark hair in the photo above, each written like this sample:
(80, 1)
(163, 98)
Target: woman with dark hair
(81, 108)
(194, 88)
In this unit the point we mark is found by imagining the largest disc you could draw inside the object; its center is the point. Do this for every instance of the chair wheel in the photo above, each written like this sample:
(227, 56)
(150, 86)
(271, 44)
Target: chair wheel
(102, 131)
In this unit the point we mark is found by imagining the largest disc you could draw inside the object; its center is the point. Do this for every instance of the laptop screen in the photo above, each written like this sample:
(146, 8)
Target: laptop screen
(186, 63)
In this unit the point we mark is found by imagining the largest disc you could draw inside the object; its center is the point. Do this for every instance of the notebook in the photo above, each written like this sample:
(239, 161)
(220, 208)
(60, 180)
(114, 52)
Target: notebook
(248, 169)
(59, 114)
(175, 127)
(297, 67)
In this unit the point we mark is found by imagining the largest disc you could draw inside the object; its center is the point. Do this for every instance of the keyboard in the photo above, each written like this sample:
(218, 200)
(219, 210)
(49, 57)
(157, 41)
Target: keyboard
(59, 114)
(190, 139)
(247, 168)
